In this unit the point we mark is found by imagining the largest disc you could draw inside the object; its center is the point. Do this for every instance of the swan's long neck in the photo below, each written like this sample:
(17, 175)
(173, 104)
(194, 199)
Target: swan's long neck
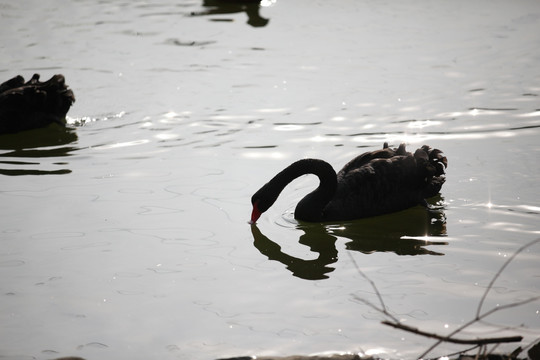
(311, 207)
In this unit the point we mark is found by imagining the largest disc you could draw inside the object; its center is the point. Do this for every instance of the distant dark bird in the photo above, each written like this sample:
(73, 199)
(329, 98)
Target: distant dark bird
(224, 7)
(374, 183)
(34, 104)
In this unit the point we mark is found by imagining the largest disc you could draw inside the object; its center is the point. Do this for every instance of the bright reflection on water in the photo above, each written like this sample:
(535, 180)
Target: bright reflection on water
(125, 235)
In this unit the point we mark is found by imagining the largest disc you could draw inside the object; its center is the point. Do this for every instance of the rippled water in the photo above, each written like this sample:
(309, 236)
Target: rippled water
(126, 236)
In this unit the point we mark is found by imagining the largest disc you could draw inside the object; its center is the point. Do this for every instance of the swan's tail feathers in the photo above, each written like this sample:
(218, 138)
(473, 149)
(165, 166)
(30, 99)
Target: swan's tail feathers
(432, 164)
(401, 150)
(13, 83)
(437, 158)
(434, 157)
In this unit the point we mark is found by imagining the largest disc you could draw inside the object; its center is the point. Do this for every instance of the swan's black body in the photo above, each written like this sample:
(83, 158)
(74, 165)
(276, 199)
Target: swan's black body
(374, 183)
(34, 104)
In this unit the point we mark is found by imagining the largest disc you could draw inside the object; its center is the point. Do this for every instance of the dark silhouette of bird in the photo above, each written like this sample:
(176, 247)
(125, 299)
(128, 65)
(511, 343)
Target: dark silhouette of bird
(33, 104)
(374, 183)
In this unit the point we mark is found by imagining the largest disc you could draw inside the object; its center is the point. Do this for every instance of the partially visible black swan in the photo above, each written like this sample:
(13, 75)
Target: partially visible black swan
(34, 104)
(374, 183)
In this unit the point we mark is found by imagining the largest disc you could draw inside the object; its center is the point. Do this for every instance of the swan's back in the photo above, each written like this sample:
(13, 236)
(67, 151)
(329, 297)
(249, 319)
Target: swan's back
(385, 181)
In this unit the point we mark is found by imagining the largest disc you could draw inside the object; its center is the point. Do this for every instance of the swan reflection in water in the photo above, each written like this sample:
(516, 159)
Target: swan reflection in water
(23, 153)
(389, 233)
(224, 7)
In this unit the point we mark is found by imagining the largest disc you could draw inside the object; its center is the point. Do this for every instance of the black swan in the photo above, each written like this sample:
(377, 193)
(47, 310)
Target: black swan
(34, 104)
(374, 183)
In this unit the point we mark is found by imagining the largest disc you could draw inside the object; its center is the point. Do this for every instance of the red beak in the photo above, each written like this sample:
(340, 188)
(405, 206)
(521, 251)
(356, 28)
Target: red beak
(255, 214)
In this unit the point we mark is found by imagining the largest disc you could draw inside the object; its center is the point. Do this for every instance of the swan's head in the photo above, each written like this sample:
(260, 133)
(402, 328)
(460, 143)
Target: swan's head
(255, 213)
(259, 206)
(262, 200)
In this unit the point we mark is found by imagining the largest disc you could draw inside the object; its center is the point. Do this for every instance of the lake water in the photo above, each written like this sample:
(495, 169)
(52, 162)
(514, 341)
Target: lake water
(126, 236)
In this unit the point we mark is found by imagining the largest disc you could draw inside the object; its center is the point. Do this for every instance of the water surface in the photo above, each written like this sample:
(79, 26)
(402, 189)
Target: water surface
(126, 236)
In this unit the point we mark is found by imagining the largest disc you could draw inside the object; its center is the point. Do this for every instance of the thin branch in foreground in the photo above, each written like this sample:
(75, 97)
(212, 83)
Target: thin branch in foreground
(507, 262)
(478, 342)
(464, 351)
(383, 308)
(498, 308)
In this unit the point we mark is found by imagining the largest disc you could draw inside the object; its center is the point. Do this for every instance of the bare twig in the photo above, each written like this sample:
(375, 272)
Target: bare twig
(383, 308)
(454, 340)
(507, 262)
(507, 306)
(481, 343)
(495, 309)
(464, 351)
